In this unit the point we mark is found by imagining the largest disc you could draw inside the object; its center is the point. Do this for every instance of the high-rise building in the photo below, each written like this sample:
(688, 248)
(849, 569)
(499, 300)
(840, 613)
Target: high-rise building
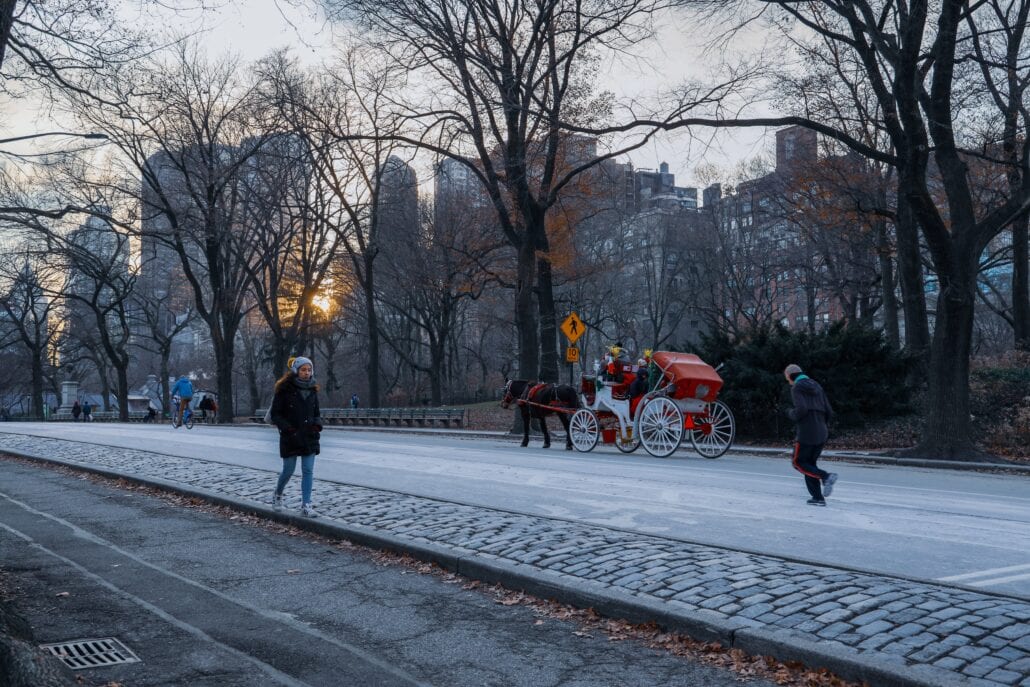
(166, 202)
(397, 202)
(98, 279)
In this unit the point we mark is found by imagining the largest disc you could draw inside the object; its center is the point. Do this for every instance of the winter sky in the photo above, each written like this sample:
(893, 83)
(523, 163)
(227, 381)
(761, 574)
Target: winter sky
(253, 28)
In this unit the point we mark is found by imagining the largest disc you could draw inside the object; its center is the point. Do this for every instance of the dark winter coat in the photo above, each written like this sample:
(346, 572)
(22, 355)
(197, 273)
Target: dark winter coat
(295, 412)
(811, 411)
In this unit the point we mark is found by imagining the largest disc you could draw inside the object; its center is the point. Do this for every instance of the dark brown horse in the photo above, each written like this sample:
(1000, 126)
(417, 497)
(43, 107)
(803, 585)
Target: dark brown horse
(537, 400)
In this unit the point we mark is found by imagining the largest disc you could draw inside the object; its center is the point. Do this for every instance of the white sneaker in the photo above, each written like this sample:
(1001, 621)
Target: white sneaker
(308, 510)
(828, 483)
(277, 501)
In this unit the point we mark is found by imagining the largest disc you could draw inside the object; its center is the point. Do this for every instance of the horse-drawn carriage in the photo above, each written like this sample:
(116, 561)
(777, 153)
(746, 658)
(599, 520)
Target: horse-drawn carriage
(681, 400)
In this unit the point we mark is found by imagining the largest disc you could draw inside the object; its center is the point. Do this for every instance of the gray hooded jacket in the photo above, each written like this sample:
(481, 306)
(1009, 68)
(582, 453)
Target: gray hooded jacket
(811, 411)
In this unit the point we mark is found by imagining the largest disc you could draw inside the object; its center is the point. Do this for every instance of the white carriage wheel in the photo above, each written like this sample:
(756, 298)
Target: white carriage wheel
(584, 430)
(715, 439)
(660, 427)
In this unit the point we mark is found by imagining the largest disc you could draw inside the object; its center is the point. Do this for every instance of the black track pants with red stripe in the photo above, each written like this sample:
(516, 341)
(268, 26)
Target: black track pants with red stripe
(805, 457)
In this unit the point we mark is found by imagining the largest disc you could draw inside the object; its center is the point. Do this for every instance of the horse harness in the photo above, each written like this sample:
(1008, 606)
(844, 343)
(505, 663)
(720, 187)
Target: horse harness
(528, 398)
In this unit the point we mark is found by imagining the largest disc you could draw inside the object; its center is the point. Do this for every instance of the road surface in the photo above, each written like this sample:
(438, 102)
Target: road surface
(954, 527)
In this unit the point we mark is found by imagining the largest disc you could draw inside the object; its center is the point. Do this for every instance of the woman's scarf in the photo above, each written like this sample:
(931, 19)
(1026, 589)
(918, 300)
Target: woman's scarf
(306, 387)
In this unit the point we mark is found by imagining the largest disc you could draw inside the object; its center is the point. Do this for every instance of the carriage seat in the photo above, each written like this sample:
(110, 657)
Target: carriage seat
(621, 379)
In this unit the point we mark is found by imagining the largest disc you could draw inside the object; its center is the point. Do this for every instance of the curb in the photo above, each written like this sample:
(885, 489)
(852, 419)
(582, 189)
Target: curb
(749, 636)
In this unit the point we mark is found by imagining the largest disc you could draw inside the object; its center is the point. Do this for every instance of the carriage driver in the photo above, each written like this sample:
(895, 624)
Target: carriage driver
(641, 383)
(614, 360)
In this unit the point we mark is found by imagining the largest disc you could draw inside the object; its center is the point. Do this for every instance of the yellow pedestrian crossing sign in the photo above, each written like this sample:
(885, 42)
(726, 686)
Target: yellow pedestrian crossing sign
(572, 327)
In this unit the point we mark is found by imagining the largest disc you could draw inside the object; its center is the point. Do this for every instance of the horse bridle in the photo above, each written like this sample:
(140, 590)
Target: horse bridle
(508, 397)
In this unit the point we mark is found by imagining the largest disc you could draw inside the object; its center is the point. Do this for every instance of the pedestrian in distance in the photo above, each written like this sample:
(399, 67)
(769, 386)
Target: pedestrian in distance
(811, 412)
(76, 411)
(87, 412)
(296, 413)
(354, 401)
(207, 403)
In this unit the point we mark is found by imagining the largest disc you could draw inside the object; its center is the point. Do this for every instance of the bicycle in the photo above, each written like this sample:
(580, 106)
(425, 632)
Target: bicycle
(187, 415)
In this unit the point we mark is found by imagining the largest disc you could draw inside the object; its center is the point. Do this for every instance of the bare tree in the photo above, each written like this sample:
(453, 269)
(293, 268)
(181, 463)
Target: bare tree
(348, 121)
(188, 129)
(999, 41)
(428, 282)
(292, 221)
(911, 57)
(62, 42)
(832, 86)
(160, 316)
(30, 314)
(505, 77)
(100, 286)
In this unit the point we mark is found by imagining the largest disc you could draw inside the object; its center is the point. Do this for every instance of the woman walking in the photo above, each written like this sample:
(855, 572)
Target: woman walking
(295, 412)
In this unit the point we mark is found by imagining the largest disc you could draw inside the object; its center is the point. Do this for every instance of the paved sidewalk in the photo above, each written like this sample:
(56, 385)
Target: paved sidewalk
(865, 627)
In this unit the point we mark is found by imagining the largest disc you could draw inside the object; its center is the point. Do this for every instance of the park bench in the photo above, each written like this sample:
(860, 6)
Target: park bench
(388, 417)
(106, 416)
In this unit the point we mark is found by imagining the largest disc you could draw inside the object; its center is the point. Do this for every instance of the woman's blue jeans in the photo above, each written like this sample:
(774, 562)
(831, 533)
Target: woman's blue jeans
(307, 475)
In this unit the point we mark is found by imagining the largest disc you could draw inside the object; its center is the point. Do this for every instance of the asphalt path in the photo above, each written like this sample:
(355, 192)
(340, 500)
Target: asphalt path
(958, 527)
(206, 601)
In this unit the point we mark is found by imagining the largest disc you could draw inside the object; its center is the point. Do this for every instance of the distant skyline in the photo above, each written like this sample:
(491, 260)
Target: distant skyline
(254, 28)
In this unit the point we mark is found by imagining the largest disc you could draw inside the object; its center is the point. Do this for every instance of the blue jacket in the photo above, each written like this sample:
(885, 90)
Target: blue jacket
(183, 388)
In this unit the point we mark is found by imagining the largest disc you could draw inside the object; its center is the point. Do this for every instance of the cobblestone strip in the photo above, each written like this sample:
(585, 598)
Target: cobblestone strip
(896, 621)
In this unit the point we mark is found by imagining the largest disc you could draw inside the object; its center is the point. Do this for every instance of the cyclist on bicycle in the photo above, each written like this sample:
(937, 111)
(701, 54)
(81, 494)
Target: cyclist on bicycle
(182, 390)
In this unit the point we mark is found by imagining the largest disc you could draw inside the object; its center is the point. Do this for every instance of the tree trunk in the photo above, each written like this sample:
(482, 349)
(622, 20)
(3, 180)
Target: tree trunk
(373, 336)
(525, 322)
(910, 274)
(436, 371)
(166, 392)
(548, 321)
(255, 392)
(947, 434)
(1021, 282)
(37, 384)
(6, 22)
(281, 353)
(105, 388)
(331, 382)
(225, 353)
(123, 392)
(890, 299)
(810, 309)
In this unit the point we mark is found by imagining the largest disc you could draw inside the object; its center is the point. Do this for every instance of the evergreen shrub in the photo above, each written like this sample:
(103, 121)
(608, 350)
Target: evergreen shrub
(1000, 402)
(863, 377)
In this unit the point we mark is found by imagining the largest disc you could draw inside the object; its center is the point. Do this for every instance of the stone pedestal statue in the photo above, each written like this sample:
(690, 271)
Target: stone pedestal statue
(69, 394)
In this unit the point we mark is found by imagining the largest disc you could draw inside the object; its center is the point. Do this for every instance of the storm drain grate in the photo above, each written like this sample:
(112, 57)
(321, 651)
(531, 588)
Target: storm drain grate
(92, 653)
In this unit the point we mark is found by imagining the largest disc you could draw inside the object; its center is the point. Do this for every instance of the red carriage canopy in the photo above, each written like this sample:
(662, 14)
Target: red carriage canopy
(693, 377)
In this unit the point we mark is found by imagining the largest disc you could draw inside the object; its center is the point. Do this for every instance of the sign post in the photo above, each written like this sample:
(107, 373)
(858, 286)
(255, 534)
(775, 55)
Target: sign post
(572, 327)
